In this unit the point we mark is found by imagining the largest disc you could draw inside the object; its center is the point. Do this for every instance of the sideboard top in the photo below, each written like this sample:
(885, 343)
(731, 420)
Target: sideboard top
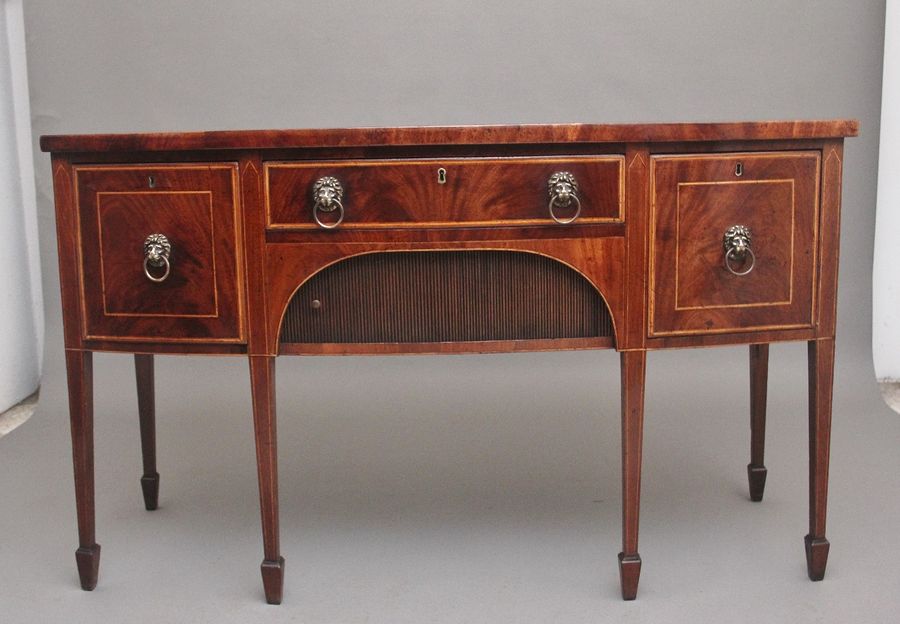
(446, 135)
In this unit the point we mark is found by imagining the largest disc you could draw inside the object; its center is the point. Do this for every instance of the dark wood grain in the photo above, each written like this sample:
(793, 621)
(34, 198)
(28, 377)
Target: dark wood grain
(759, 378)
(143, 369)
(447, 348)
(747, 337)
(830, 236)
(633, 369)
(262, 385)
(247, 258)
(437, 135)
(697, 198)
(123, 345)
(259, 335)
(637, 180)
(494, 192)
(500, 231)
(79, 375)
(821, 380)
(596, 259)
(194, 207)
(68, 251)
(445, 296)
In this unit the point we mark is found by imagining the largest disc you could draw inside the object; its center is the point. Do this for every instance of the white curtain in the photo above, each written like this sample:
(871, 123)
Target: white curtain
(21, 306)
(886, 273)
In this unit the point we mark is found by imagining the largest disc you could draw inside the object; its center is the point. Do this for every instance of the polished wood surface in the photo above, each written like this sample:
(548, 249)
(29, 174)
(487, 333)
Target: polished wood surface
(194, 207)
(759, 380)
(696, 199)
(68, 252)
(821, 378)
(440, 135)
(79, 374)
(634, 370)
(473, 296)
(492, 192)
(642, 268)
(262, 386)
(143, 370)
(597, 259)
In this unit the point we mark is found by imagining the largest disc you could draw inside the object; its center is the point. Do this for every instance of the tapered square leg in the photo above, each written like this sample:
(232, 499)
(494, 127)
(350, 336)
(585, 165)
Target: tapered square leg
(88, 562)
(150, 490)
(816, 556)
(273, 579)
(143, 370)
(756, 476)
(262, 381)
(821, 379)
(629, 575)
(759, 378)
(634, 364)
(79, 375)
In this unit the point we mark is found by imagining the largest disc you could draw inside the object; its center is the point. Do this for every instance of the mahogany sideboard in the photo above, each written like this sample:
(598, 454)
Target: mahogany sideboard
(448, 240)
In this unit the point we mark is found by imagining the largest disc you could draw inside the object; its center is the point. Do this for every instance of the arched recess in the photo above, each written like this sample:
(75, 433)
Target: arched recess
(446, 296)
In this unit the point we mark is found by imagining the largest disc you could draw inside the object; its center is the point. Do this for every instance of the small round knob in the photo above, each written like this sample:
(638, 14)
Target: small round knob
(736, 244)
(156, 255)
(327, 195)
(563, 191)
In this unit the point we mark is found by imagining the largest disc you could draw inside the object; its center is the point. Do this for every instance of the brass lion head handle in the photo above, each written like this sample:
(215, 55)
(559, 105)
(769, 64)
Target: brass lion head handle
(157, 249)
(736, 244)
(327, 195)
(563, 190)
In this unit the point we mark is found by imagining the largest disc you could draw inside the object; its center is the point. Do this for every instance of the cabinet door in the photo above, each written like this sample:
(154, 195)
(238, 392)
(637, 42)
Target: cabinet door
(697, 286)
(191, 295)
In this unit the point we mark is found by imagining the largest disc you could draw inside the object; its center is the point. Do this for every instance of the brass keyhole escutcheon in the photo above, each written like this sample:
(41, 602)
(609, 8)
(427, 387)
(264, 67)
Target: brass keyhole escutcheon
(442, 176)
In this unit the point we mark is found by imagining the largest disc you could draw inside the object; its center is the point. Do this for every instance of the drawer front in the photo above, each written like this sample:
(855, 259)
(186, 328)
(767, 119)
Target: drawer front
(480, 192)
(696, 199)
(190, 292)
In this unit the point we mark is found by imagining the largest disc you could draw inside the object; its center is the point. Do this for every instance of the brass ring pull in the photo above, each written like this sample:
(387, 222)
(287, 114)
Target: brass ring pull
(156, 254)
(327, 195)
(563, 191)
(736, 243)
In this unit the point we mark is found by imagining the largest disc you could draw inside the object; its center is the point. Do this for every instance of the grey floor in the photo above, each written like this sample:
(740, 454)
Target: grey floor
(455, 489)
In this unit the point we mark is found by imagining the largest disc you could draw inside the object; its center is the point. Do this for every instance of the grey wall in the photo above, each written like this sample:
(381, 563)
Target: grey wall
(107, 66)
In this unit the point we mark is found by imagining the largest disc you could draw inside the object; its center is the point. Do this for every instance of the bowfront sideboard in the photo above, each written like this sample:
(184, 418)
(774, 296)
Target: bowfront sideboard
(449, 240)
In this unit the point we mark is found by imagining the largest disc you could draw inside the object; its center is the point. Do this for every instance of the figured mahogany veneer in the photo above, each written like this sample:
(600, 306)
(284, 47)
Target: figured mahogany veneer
(475, 192)
(697, 197)
(448, 246)
(195, 206)
(453, 135)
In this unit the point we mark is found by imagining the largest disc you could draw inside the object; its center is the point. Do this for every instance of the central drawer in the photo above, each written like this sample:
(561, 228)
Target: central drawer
(431, 193)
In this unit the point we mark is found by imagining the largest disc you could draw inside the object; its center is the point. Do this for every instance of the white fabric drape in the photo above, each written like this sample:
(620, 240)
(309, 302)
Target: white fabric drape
(886, 272)
(21, 307)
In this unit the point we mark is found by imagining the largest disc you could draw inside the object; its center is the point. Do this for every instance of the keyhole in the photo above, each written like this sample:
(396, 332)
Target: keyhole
(442, 176)
(739, 169)
(151, 182)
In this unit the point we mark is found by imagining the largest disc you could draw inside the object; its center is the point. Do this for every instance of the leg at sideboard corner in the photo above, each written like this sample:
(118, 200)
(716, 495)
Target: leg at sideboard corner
(262, 382)
(79, 374)
(143, 371)
(821, 379)
(759, 377)
(634, 365)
